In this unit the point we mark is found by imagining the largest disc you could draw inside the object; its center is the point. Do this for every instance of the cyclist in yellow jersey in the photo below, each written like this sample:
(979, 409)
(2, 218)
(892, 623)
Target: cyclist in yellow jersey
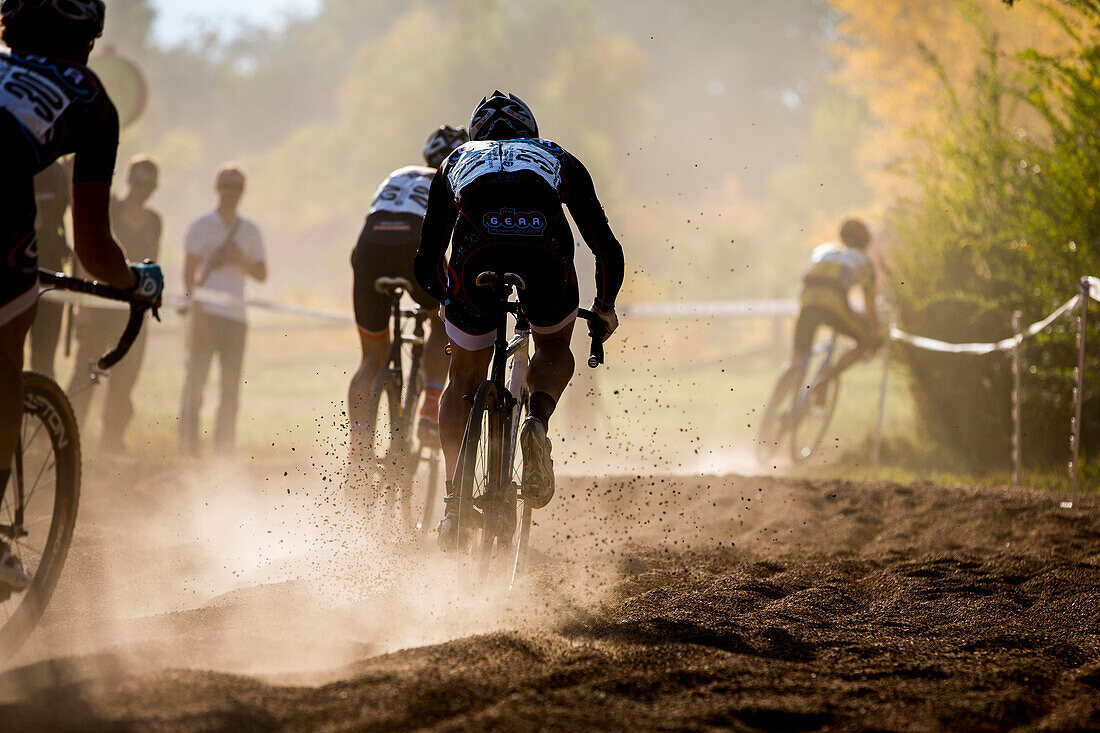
(834, 270)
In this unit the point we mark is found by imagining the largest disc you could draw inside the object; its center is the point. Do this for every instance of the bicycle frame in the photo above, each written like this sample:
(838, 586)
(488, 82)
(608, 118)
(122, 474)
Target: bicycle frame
(394, 361)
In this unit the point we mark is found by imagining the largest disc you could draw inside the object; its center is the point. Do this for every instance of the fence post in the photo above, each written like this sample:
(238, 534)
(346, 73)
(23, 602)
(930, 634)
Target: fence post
(1017, 350)
(1078, 390)
(876, 447)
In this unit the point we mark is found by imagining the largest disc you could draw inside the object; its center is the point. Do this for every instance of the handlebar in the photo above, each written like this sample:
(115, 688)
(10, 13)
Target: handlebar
(61, 281)
(596, 330)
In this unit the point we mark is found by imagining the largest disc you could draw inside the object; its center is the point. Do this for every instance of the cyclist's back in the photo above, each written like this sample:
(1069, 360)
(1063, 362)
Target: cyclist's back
(48, 108)
(833, 271)
(503, 199)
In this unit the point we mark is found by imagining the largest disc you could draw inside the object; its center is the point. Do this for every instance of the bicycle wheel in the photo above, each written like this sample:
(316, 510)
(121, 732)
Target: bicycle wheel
(38, 507)
(812, 413)
(775, 423)
(513, 467)
(427, 478)
(375, 472)
(482, 514)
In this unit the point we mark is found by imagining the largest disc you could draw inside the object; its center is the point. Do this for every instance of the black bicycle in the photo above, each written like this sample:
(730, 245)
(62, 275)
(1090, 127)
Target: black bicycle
(494, 524)
(395, 461)
(801, 406)
(38, 505)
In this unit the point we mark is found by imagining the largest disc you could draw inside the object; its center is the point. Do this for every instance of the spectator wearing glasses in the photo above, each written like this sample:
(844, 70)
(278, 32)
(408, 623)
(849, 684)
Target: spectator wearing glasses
(221, 250)
(137, 228)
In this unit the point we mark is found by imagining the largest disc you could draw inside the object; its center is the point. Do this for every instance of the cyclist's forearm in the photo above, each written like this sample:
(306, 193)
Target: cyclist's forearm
(95, 246)
(439, 221)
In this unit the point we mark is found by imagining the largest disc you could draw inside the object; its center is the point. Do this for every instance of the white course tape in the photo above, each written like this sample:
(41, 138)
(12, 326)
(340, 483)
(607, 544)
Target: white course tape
(712, 309)
(214, 297)
(1007, 344)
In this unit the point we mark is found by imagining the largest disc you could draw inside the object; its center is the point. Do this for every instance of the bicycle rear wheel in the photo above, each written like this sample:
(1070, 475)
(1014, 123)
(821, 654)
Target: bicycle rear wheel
(484, 513)
(812, 412)
(38, 507)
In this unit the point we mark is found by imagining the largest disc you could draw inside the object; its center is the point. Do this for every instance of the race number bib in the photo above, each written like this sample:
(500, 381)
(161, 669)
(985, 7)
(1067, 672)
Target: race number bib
(404, 192)
(478, 159)
(33, 98)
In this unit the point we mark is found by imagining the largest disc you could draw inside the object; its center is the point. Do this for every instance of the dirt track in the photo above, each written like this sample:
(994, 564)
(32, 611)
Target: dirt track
(744, 603)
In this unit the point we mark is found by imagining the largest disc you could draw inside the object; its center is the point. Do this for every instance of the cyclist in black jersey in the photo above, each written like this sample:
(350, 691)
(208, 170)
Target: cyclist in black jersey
(386, 248)
(498, 203)
(51, 105)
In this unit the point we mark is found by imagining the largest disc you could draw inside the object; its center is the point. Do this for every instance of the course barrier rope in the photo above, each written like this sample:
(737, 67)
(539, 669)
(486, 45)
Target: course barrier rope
(1006, 344)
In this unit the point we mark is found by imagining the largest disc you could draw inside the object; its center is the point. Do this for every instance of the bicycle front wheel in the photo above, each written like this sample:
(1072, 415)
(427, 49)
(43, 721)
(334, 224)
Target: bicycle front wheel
(775, 423)
(813, 411)
(38, 507)
(513, 468)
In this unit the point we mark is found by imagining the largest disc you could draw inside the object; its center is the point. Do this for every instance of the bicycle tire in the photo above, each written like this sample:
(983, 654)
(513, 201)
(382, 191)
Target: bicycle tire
(801, 450)
(434, 462)
(773, 428)
(47, 414)
(479, 474)
(522, 538)
(377, 469)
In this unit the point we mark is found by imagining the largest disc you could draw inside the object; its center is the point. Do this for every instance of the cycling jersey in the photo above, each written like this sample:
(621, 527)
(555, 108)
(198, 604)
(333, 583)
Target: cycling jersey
(387, 245)
(48, 109)
(833, 271)
(502, 202)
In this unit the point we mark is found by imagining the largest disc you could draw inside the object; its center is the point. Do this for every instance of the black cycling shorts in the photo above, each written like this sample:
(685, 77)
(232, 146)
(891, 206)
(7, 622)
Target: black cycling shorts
(384, 250)
(549, 301)
(850, 324)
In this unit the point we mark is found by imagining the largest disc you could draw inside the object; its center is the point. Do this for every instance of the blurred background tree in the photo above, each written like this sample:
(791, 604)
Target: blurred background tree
(998, 174)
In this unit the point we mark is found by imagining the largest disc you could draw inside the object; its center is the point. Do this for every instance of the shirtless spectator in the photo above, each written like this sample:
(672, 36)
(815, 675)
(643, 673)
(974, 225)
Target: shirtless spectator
(51, 196)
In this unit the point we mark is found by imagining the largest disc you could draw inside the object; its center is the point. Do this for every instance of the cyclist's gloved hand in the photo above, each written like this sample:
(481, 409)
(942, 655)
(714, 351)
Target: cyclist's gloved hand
(609, 318)
(150, 282)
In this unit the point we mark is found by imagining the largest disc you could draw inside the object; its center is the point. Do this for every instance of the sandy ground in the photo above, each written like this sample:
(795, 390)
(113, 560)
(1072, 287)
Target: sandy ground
(232, 598)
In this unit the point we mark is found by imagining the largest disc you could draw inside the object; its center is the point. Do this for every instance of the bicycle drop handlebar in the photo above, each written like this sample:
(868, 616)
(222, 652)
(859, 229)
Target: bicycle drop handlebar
(61, 281)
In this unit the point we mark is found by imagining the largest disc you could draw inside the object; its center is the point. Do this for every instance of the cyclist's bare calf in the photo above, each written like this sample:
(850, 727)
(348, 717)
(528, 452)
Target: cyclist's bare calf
(552, 367)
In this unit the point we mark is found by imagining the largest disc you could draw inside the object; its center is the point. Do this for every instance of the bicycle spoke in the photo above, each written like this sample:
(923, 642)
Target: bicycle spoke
(27, 443)
(52, 461)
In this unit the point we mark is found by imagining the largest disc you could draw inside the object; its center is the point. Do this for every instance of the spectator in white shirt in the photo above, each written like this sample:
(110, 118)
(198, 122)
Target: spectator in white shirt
(221, 248)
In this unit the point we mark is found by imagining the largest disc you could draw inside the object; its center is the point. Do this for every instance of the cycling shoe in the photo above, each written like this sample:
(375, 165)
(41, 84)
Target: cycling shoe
(538, 467)
(12, 573)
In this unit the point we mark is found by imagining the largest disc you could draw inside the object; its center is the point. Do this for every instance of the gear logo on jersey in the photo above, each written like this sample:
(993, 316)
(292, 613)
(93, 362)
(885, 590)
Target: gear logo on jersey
(515, 223)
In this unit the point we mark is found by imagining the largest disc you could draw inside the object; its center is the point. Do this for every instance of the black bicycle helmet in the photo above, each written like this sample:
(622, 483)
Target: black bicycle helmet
(86, 14)
(502, 116)
(442, 143)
